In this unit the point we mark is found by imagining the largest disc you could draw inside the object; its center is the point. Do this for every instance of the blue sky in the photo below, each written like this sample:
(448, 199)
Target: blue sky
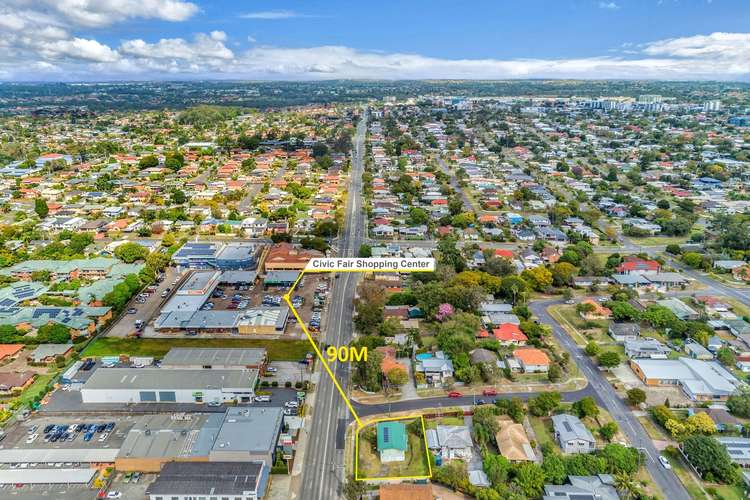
(254, 39)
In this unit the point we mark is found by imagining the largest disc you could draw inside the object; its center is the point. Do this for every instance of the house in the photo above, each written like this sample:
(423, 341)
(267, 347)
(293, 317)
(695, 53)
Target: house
(636, 265)
(738, 449)
(510, 334)
(16, 381)
(572, 435)
(405, 490)
(48, 353)
(392, 441)
(621, 332)
(531, 359)
(513, 442)
(596, 310)
(451, 442)
(699, 380)
(436, 369)
(287, 257)
(600, 487)
(679, 308)
(697, 351)
(646, 348)
(724, 420)
(9, 351)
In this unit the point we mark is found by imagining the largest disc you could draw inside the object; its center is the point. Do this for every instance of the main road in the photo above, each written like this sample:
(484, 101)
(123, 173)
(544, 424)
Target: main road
(323, 468)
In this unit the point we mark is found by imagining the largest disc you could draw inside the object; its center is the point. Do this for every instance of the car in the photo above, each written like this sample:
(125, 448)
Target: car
(136, 477)
(262, 399)
(32, 438)
(109, 427)
(291, 404)
(114, 494)
(87, 437)
(101, 427)
(103, 437)
(214, 403)
(132, 310)
(664, 462)
(481, 402)
(126, 477)
(570, 301)
(271, 369)
(290, 412)
(454, 394)
(489, 392)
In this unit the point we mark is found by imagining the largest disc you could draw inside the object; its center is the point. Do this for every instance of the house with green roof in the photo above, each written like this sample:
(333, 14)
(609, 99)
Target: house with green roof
(392, 441)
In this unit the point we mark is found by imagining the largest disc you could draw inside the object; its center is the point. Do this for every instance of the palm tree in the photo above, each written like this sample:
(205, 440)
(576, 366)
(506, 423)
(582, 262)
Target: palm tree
(627, 486)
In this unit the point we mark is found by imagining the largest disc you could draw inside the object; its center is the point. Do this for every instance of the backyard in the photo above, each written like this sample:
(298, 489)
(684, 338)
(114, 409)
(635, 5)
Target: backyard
(415, 463)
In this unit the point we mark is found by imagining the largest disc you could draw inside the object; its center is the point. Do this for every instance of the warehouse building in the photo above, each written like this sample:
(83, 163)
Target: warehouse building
(184, 481)
(214, 359)
(248, 434)
(699, 380)
(216, 255)
(151, 385)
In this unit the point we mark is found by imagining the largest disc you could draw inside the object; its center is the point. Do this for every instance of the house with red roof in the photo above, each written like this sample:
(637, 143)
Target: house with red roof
(510, 334)
(636, 265)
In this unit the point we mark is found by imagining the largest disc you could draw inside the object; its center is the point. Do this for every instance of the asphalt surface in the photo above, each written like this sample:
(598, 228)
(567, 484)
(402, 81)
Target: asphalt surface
(605, 394)
(323, 473)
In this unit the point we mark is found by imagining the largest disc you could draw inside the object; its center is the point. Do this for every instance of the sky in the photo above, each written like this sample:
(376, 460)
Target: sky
(105, 40)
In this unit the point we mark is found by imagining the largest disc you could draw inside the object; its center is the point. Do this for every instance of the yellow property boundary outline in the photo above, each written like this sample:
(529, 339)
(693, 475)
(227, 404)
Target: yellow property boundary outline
(375, 422)
(316, 349)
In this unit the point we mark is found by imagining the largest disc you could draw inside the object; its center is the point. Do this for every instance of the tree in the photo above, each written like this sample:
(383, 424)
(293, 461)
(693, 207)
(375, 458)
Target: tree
(623, 311)
(693, 259)
(620, 459)
(562, 273)
(540, 278)
(367, 374)
(608, 431)
(739, 402)
(178, 197)
(529, 478)
(513, 288)
(726, 356)
(710, 459)
(148, 161)
(636, 396)
(396, 376)
(592, 348)
(130, 252)
(544, 404)
(609, 359)
(353, 489)
(41, 208)
(700, 423)
(365, 250)
(586, 407)
(554, 468)
(53, 333)
(555, 373)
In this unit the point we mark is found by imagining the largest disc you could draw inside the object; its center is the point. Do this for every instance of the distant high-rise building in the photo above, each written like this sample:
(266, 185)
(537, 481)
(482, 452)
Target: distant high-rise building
(712, 106)
(650, 99)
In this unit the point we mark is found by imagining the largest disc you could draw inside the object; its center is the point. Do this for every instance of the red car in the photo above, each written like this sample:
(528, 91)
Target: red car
(489, 392)
(454, 394)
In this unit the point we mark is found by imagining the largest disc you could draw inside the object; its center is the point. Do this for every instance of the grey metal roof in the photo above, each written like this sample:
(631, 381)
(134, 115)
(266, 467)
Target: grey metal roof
(47, 476)
(252, 429)
(192, 356)
(167, 379)
(207, 478)
(570, 427)
(44, 455)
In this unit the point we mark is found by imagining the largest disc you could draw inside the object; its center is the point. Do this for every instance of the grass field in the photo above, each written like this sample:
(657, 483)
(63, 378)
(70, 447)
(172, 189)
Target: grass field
(278, 350)
(434, 422)
(36, 388)
(543, 430)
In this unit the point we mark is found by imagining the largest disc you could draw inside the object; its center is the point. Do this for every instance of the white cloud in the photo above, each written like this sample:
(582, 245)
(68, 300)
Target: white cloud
(98, 13)
(270, 14)
(78, 48)
(608, 5)
(205, 48)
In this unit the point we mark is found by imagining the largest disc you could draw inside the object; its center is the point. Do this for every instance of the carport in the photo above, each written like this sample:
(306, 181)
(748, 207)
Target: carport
(47, 476)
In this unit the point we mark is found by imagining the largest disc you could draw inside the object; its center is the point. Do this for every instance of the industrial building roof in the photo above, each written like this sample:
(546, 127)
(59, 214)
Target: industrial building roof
(208, 478)
(187, 356)
(699, 377)
(166, 379)
(44, 455)
(46, 476)
(265, 423)
(163, 436)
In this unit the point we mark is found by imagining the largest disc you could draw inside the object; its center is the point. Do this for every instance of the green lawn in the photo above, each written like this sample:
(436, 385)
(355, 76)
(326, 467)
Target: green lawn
(543, 431)
(415, 464)
(278, 350)
(434, 422)
(659, 240)
(36, 388)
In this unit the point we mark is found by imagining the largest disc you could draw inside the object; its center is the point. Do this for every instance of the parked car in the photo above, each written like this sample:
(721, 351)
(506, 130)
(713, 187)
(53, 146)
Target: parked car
(132, 310)
(114, 494)
(262, 399)
(664, 462)
(454, 394)
(489, 392)
(291, 404)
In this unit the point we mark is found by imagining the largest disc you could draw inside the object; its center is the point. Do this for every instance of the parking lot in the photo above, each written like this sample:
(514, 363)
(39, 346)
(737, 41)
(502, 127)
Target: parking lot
(19, 436)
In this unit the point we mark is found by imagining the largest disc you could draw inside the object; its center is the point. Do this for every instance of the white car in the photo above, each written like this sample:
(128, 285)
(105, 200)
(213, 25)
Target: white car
(291, 404)
(262, 399)
(664, 462)
(32, 438)
(114, 494)
(103, 437)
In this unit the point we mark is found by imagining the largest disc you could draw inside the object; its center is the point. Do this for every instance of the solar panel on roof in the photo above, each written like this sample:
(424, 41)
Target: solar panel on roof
(566, 424)
(386, 438)
(7, 302)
